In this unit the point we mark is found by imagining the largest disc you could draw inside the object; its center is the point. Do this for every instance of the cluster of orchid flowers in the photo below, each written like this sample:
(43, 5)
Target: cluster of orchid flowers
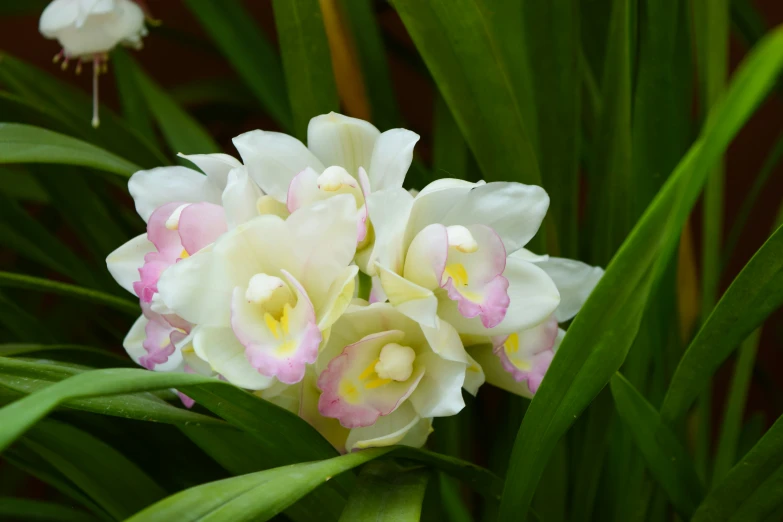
(309, 276)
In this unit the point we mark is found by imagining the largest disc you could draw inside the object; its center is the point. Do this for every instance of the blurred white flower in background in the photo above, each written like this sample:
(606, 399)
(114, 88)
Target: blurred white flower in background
(88, 29)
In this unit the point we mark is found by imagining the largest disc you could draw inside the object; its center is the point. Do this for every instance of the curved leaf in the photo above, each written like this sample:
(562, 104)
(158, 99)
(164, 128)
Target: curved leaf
(751, 490)
(254, 497)
(85, 355)
(10, 280)
(27, 144)
(486, 92)
(386, 493)
(755, 293)
(246, 48)
(601, 334)
(306, 61)
(27, 509)
(667, 459)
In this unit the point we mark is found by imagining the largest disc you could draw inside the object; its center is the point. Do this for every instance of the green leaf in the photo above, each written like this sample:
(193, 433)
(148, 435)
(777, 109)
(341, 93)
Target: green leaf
(86, 355)
(244, 45)
(22, 325)
(223, 91)
(459, 42)
(610, 165)
(552, 38)
(27, 144)
(601, 334)
(751, 490)
(254, 497)
(449, 151)
(24, 509)
(72, 106)
(134, 106)
(386, 493)
(306, 61)
(90, 464)
(30, 377)
(667, 459)
(368, 42)
(11, 280)
(755, 293)
(181, 131)
(17, 184)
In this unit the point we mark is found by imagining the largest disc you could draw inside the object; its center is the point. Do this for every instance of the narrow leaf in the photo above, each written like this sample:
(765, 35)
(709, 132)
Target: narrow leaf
(36, 510)
(386, 493)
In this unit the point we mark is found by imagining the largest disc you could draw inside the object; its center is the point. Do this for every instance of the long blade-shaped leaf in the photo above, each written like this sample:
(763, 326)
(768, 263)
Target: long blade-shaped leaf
(254, 497)
(752, 486)
(27, 509)
(8, 279)
(459, 42)
(248, 51)
(385, 493)
(27, 144)
(601, 334)
(755, 293)
(666, 457)
(306, 60)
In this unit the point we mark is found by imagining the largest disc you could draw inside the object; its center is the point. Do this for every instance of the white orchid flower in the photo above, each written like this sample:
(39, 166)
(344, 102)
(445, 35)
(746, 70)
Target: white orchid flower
(384, 376)
(519, 361)
(277, 284)
(89, 29)
(443, 254)
(343, 156)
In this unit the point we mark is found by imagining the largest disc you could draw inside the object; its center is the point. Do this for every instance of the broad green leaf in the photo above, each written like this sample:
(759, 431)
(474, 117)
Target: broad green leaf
(386, 493)
(254, 497)
(755, 293)
(601, 334)
(666, 458)
(459, 42)
(247, 49)
(368, 42)
(181, 131)
(306, 61)
(290, 440)
(73, 106)
(25, 282)
(449, 151)
(88, 462)
(25, 509)
(751, 490)
(134, 107)
(27, 144)
(610, 165)
(29, 377)
(552, 41)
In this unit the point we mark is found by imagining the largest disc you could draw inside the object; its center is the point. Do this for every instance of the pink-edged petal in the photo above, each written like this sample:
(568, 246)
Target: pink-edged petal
(353, 392)
(201, 224)
(157, 344)
(303, 190)
(364, 216)
(526, 355)
(165, 239)
(277, 347)
(426, 257)
(149, 274)
(473, 278)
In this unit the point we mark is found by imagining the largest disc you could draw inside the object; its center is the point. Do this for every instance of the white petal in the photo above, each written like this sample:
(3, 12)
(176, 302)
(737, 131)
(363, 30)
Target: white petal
(227, 357)
(215, 166)
(273, 159)
(414, 301)
(340, 140)
(152, 188)
(574, 280)
(426, 257)
(124, 263)
(439, 393)
(474, 377)
(58, 15)
(533, 298)
(391, 158)
(134, 338)
(323, 242)
(513, 210)
(387, 431)
(445, 341)
(339, 297)
(240, 198)
(389, 211)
